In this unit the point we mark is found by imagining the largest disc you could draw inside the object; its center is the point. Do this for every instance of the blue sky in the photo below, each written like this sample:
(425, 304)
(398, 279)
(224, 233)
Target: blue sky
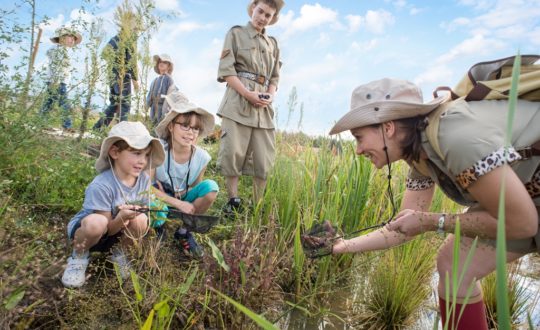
(328, 47)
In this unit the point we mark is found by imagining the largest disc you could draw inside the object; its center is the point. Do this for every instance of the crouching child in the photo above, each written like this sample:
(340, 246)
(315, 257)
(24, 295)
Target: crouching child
(108, 214)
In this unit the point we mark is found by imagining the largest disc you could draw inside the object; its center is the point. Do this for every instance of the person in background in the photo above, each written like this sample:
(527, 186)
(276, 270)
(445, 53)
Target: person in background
(388, 120)
(161, 86)
(250, 65)
(120, 54)
(60, 73)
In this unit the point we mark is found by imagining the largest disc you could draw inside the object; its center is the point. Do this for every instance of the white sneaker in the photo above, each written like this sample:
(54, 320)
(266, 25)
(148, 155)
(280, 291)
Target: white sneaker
(124, 267)
(75, 273)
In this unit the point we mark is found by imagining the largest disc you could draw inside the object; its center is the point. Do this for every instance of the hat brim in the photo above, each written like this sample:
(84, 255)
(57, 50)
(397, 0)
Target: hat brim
(383, 111)
(77, 36)
(207, 120)
(157, 58)
(157, 153)
(274, 20)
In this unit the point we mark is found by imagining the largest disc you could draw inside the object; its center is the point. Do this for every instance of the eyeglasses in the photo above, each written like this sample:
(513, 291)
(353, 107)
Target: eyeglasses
(185, 127)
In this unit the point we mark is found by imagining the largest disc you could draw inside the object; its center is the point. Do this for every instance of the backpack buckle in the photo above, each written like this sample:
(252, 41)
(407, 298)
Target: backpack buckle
(525, 153)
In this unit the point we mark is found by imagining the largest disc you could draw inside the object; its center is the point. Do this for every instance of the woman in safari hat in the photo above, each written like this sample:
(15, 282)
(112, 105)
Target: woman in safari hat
(180, 177)
(250, 65)
(388, 120)
(60, 73)
(160, 87)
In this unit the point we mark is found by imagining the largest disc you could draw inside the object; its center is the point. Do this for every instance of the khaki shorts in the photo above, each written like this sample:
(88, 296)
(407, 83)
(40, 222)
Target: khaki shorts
(524, 246)
(245, 150)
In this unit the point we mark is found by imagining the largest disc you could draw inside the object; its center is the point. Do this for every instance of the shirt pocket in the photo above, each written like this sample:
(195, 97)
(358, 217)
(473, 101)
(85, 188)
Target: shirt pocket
(245, 58)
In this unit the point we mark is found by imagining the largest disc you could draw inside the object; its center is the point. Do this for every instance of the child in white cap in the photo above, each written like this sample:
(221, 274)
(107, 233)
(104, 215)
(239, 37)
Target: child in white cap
(160, 87)
(60, 73)
(108, 214)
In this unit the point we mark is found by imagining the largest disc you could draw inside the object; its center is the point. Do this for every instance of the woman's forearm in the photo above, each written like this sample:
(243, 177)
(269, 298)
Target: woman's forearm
(378, 240)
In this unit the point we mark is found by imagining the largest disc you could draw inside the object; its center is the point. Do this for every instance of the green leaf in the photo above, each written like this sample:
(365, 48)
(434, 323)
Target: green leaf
(260, 320)
(148, 323)
(136, 286)
(163, 309)
(14, 298)
(216, 253)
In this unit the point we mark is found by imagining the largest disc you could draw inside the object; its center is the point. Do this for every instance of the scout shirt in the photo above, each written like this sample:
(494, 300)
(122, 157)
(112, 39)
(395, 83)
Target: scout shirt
(472, 138)
(247, 50)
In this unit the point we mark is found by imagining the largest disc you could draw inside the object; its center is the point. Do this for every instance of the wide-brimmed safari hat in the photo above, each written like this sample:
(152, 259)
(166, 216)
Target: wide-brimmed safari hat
(137, 137)
(163, 58)
(279, 3)
(383, 100)
(65, 31)
(178, 103)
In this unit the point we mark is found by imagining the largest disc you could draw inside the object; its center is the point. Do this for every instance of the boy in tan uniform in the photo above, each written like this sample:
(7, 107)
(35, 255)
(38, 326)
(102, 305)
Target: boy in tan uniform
(250, 66)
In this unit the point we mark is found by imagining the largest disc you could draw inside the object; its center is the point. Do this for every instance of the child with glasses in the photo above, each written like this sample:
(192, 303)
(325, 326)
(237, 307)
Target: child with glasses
(180, 178)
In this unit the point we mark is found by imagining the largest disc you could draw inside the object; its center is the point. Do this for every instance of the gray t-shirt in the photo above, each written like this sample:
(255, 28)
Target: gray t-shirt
(178, 172)
(105, 194)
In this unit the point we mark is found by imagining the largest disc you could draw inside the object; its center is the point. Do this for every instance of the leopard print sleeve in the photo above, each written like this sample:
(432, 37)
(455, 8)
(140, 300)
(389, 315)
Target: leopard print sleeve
(487, 164)
(419, 184)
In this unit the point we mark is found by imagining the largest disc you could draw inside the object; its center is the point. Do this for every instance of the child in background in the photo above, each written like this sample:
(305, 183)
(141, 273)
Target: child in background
(161, 86)
(60, 73)
(180, 177)
(250, 65)
(108, 214)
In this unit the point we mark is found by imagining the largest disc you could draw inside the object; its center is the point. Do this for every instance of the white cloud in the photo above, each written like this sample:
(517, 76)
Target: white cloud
(477, 45)
(364, 46)
(311, 16)
(478, 4)
(415, 11)
(377, 21)
(400, 3)
(354, 21)
(167, 4)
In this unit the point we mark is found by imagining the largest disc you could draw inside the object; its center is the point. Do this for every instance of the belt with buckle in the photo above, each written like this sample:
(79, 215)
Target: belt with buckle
(260, 79)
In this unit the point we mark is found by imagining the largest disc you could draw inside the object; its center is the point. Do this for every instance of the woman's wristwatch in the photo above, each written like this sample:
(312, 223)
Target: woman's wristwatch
(440, 225)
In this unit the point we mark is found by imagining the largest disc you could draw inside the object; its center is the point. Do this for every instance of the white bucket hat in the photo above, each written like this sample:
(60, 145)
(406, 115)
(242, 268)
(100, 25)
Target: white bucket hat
(137, 137)
(65, 31)
(383, 100)
(163, 58)
(279, 3)
(178, 103)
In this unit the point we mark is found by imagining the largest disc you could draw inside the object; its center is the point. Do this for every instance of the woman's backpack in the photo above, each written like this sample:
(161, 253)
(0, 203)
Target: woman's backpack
(491, 80)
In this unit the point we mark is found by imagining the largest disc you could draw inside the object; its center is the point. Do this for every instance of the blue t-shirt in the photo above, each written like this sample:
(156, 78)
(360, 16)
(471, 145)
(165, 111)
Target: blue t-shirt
(178, 172)
(105, 194)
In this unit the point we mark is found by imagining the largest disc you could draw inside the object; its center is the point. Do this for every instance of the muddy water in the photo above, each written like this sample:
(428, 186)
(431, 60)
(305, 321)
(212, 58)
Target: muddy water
(341, 311)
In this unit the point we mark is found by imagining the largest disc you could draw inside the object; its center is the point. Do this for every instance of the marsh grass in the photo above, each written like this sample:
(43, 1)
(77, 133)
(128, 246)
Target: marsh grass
(520, 300)
(397, 286)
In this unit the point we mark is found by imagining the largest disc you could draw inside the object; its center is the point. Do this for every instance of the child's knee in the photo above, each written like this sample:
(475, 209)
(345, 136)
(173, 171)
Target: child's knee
(94, 225)
(138, 225)
(211, 196)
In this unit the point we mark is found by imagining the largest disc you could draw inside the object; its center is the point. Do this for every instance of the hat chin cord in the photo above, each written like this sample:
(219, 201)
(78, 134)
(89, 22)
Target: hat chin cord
(389, 177)
(390, 195)
(148, 222)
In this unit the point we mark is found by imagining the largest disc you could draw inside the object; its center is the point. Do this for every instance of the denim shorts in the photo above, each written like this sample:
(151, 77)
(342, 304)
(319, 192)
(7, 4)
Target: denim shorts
(105, 243)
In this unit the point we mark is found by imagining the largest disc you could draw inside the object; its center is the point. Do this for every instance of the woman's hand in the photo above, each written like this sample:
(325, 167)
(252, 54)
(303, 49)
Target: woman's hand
(411, 222)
